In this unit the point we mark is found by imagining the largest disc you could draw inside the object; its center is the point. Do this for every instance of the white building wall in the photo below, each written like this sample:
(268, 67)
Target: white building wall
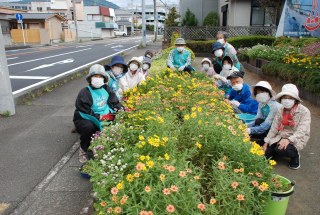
(239, 12)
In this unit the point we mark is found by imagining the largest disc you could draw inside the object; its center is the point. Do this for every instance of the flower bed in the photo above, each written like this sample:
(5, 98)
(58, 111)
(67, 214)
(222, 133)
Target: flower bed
(181, 150)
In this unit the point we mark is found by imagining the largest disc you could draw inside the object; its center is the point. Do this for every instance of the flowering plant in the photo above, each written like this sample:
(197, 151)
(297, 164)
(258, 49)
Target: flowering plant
(177, 152)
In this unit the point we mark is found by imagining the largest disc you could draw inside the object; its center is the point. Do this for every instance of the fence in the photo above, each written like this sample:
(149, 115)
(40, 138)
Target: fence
(209, 33)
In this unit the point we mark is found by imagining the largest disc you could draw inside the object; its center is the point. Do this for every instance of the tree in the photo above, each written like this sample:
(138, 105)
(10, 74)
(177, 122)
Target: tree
(272, 8)
(171, 19)
(190, 19)
(212, 19)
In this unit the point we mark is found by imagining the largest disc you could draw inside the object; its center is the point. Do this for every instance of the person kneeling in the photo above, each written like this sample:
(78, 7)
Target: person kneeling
(290, 130)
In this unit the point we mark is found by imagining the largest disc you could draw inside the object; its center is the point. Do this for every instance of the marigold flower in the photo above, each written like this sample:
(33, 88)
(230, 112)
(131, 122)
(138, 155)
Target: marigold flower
(186, 117)
(201, 207)
(241, 169)
(213, 201)
(114, 191)
(221, 163)
(147, 189)
(142, 157)
(171, 168)
(174, 188)
(150, 164)
(234, 185)
(170, 208)
(166, 191)
(130, 178)
(103, 204)
(182, 174)
(265, 185)
(194, 115)
(141, 137)
(117, 210)
(240, 197)
(120, 186)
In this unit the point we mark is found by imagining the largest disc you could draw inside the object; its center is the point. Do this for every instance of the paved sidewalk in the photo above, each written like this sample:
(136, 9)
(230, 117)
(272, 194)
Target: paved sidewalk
(39, 154)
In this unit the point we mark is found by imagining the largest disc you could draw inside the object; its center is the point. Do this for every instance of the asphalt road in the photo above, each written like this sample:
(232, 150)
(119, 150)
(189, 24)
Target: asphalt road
(28, 67)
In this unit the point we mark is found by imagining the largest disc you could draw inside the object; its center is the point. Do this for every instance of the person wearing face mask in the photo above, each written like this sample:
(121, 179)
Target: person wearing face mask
(116, 69)
(290, 130)
(146, 65)
(228, 48)
(240, 95)
(133, 77)
(206, 67)
(267, 109)
(94, 104)
(218, 51)
(227, 69)
(180, 58)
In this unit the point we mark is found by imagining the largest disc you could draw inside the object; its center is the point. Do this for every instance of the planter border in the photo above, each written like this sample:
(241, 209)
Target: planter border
(314, 99)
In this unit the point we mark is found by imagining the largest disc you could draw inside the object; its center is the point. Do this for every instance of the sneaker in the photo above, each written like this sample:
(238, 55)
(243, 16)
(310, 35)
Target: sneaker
(295, 162)
(83, 157)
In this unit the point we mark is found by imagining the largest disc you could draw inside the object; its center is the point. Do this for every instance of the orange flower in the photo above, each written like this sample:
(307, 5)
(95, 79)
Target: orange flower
(221, 167)
(166, 191)
(103, 204)
(122, 201)
(255, 183)
(147, 189)
(162, 177)
(149, 213)
(196, 177)
(213, 201)
(143, 213)
(140, 166)
(109, 210)
(165, 166)
(183, 174)
(114, 198)
(221, 163)
(117, 210)
(240, 197)
(125, 197)
(136, 174)
(170, 208)
(171, 168)
(236, 170)
(114, 191)
(258, 174)
(174, 188)
(262, 188)
(234, 185)
(189, 170)
(201, 207)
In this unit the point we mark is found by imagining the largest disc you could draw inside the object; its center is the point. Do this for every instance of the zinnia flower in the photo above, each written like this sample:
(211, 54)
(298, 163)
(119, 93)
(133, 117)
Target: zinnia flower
(140, 166)
(234, 185)
(240, 197)
(162, 177)
(103, 204)
(117, 210)
(109, 210)
(147, 189)
(201, 207)
(182, 174)
(171, 168)
(143, 213)
(166, 191)
(114, 191)
(255, 183)
(213, 201)
(170, 208)
(174, 188)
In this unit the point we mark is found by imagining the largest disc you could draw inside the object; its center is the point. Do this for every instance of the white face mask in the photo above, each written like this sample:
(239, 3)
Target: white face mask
(133, 67)
(221, 41)
(218, 53)
(263, 97)
(205, 66)
(97, 82)
(288, 103)
(117, 70)
(180, 48)
(145, 66)
(237, 87)
(227, 66)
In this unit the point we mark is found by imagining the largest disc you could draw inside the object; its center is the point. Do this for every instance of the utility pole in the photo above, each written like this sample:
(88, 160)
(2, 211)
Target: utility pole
(155, 20)
(144, 38)
(6, 98)
(75, 19)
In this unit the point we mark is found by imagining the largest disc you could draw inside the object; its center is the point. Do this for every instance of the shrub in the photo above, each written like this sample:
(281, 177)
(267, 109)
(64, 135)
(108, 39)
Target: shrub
(189, 19)
(212, 19)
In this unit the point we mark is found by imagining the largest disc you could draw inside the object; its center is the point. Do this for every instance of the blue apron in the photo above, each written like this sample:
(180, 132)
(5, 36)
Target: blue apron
(265, 111)
(180, 59)
(114, 84)
(100, 106)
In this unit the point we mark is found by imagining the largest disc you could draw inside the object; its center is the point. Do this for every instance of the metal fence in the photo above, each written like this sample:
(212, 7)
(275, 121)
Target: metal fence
(209, 33)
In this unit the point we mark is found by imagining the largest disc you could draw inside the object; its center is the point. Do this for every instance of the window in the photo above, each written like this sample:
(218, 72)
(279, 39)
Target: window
(39, 9)
(257, 16)
(48, 8)
(89, 17)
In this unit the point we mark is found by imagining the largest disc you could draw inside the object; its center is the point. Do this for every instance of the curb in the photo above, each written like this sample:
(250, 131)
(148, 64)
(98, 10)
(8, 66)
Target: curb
(37, 89)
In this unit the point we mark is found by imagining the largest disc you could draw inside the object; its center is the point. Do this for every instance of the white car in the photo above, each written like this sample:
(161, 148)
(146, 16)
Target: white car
(118, 32)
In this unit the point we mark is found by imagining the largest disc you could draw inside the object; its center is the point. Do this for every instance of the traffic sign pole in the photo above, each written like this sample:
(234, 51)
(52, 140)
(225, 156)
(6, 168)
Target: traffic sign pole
(24, 39)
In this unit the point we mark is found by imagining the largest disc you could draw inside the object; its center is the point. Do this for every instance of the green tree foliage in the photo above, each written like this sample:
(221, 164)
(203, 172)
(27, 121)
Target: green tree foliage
(212, 19)
(171, 19)
(190, 19)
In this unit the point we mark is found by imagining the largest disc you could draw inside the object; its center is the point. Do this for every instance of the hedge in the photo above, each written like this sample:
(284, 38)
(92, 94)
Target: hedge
(237, 42)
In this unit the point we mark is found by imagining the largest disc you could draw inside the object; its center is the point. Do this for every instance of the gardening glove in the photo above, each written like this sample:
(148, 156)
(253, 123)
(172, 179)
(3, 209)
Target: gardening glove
(223, 79)
(217, 76)
(181, 68)
(107, 117)
(172, 68)
(235, 103)
(248, 130)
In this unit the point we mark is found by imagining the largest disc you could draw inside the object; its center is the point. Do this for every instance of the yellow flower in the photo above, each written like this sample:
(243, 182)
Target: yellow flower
(193, 108)
(186, 117)
(166, 156)
(160, 120)
(120, 186)
(194, 115)
(265, 185)
(150, 164)
(142, 157)
(199, 109)
(272, 162)
(130, 178)
(141, 137)
(136, 174)
(200, 122)
(198, 145)
(147, 157)
(162, 177)
(165, 139)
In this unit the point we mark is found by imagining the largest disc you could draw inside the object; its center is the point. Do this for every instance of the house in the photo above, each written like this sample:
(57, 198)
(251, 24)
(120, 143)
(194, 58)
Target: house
(200, 8)
(98, 22)
(124, 20)
(38, 28)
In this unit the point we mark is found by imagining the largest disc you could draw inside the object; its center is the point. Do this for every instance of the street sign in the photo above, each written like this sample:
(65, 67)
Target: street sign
(19, 16)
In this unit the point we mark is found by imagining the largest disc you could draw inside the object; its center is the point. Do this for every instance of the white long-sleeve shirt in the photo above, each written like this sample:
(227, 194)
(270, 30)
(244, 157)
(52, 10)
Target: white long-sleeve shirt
(129, 80)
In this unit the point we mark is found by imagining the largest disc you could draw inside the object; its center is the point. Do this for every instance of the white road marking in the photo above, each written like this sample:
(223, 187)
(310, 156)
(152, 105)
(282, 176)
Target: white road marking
(118, 46)
(109, 44)
(83, 46)
(52, 64)
(30, 77)
(49, 57)
(12, 58)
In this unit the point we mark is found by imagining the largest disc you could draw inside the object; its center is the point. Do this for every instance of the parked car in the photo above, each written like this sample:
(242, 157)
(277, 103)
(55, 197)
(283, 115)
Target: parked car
(119, 32)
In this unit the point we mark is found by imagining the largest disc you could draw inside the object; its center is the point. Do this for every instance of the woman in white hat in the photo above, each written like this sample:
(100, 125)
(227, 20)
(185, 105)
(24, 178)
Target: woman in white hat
(95, 103)
(290, 130)
(133, 77)
(267, 109)
(180, 58)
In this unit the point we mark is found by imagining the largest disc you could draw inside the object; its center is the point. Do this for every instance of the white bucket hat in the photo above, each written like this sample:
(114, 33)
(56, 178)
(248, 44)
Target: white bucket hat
(135, 59)
(289, 90)
(180, 41)
(265, 85)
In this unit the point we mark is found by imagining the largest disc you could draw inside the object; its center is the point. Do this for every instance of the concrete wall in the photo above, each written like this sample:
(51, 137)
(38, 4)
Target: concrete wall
(239, 12)
(200, 8)
(53, 25)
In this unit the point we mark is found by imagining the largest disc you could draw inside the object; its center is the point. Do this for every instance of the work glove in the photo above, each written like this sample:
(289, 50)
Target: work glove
(181, 68)
(235, 103)
(107, 117)
(172, 68)
(248, 130)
